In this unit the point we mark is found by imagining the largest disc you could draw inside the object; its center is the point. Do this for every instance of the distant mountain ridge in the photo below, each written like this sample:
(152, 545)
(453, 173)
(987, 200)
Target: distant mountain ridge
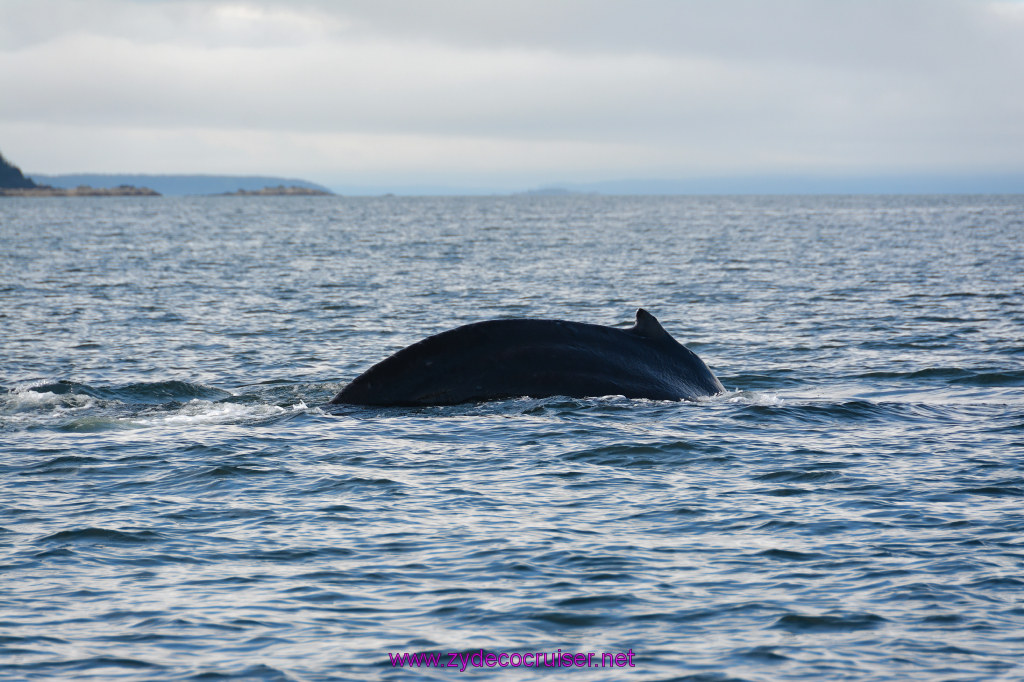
(177, 185)
(994, 183)
(13, 183)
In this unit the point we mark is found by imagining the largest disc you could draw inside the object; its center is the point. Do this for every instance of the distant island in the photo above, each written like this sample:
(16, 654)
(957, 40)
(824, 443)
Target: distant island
(81, 191)
(13, 183)
(181, 185)
(551, 192)
(279, 191)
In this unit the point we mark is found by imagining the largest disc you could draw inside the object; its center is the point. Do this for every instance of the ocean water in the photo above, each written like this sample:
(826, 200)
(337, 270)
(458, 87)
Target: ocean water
(178, 501)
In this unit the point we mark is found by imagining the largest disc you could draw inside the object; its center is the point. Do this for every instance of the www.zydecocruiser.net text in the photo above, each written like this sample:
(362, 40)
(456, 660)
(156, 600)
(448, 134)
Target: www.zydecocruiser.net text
(514, 659)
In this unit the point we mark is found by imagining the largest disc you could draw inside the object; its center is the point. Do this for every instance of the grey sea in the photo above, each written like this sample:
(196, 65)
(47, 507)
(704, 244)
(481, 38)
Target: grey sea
(179, 502)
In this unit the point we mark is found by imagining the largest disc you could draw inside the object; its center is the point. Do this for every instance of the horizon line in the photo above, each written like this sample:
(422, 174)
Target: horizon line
(748, 184)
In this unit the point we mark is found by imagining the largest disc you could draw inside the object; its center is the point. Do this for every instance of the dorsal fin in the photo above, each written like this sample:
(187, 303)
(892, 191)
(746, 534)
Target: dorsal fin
(648, 325)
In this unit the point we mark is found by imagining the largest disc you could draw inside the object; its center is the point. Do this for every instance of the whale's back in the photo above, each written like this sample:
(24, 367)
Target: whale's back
(500, 359)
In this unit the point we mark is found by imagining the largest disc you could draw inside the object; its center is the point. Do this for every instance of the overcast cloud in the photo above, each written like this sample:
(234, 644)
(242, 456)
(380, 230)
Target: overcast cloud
(513, 94)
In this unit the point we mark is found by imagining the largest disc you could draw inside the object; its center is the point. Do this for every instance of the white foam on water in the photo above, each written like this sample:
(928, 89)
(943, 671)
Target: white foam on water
(25, 407)
(29, 400)
(753, 398)
(197, 412)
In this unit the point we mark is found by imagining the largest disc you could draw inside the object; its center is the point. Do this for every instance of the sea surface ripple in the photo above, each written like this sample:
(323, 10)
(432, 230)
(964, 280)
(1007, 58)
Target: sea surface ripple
(179, 502)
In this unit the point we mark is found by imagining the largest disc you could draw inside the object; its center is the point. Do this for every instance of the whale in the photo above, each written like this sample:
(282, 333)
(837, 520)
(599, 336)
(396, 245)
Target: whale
(536, 358)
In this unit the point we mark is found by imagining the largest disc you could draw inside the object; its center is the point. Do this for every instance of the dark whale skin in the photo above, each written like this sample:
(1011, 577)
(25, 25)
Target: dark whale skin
(501, 359)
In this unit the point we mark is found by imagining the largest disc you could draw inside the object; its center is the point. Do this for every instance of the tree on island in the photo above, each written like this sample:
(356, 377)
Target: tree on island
(11, 176)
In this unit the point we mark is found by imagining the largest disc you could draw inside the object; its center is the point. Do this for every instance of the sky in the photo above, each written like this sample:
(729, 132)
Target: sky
(513, 95)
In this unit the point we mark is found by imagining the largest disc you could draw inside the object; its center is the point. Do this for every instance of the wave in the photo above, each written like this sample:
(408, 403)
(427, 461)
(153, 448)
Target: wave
(819, 412)
(954, 375)
(93, 534)
(796, 622)
(146, 392)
